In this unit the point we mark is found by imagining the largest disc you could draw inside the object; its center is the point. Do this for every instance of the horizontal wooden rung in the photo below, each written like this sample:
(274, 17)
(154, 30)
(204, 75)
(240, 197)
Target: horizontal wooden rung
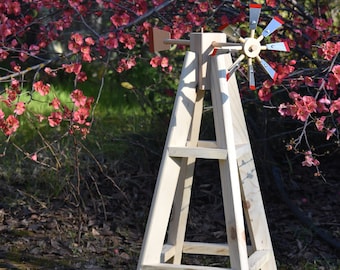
(207, 144)
(198, 152)
(166, 266)
(206, 248)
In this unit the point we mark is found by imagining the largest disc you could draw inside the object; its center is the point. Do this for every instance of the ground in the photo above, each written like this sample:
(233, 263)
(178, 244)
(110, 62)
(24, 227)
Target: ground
(55, 234)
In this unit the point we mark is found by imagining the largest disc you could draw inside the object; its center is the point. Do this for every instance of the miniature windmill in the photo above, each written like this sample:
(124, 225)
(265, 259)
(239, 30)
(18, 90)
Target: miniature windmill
(208, 66)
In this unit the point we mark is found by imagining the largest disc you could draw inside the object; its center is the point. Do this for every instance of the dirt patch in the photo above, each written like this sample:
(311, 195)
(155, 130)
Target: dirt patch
(35, 234)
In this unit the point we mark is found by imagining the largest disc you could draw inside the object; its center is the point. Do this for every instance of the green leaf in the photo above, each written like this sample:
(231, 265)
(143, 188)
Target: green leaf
(127, 85)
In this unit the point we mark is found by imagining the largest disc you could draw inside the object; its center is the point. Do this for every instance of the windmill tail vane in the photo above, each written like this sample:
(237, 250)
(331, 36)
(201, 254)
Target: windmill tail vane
(251, 46)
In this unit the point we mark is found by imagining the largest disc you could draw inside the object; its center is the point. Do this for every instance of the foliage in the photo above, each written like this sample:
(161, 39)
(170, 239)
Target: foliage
(87, 47)
(42, 42)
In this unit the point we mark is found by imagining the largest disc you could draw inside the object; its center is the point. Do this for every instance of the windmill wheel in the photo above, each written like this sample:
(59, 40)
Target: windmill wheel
(251, 47)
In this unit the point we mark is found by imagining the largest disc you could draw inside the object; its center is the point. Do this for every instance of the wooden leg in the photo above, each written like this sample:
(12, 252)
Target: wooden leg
(254, 208)
(170, 167)
(229, 174)
(178, 223)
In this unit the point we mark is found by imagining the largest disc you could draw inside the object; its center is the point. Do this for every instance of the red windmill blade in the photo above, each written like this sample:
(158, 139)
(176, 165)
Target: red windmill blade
(251, 46)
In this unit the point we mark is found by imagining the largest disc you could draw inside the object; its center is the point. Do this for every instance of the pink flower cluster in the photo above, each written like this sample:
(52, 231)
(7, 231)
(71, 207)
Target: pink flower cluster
(329, 49)
(83, 45)
(126, 64)
(159, 61)
(310, 160)
(10, 124)
(301, 108)
(77, 118)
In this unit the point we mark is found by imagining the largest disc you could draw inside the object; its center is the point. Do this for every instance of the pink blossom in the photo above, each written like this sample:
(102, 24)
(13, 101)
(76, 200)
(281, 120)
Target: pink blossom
(283, 71)
(310, 160)
(11, 95)
(309, 103)
(157, 2)
(15, 66)
(265, 94)
(336, 72)
(309, 81)
(271, 3)
(164, 62)
(85, 50)
(155, 61)
(128, 41)
(321, 107)
(140, 7)
(34, 49)
(55, 119)
(34, 157)
(203, 6)
(89, 41)
(20, 108)
(72, 68)
(322, 24)
(3, 54)
(15, 85)
(77, 96)
(195, 18)
(11, 125)
(330, 133)
(111, 42)
(80, 115)
(2, 115)
(81, 77)
(313, 35)
(284, 109)
(319, 123)
(126, 64)
(84, 131)
(40, 117)
(41, 88)
(77, 38)
(332, 83)
(50, 72)
(329, 49)
(335, 106)
(120, 19)
(55, 103)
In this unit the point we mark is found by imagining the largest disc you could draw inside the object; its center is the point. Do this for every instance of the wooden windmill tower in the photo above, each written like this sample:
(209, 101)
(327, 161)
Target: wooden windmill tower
(208, 67)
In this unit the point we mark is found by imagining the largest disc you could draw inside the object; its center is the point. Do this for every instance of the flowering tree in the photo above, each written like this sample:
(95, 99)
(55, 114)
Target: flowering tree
(41, 40)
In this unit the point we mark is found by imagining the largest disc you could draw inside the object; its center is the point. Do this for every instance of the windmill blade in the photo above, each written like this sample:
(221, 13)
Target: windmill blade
(273, 25)
(278, 46)
(231, 70)
(254, 15)
(230, 32)
(251, 76)
(272, 73)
